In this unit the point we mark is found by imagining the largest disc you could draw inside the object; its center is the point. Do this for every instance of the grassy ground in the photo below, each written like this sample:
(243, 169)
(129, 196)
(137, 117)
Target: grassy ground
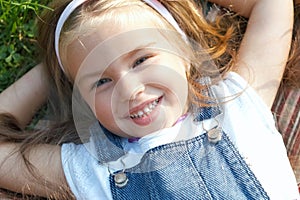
(18, 50)
(18, 47)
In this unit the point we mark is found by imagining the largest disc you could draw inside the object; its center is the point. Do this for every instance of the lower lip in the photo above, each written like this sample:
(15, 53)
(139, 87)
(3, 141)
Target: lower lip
(145, 121)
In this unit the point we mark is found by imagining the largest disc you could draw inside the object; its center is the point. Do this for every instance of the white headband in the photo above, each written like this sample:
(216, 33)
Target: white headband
(155, 4)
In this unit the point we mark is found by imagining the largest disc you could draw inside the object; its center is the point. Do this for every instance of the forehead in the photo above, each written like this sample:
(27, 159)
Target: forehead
(108, 42)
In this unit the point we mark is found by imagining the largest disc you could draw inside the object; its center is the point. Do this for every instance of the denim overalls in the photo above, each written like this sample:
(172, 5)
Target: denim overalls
(197, 169)
(250, 155)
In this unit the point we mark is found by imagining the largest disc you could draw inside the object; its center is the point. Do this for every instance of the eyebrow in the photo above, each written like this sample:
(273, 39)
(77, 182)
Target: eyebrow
(136, 50)
(123, 57)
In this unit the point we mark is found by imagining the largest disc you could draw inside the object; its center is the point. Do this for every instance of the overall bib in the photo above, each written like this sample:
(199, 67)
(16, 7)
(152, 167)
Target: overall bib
(192, 169)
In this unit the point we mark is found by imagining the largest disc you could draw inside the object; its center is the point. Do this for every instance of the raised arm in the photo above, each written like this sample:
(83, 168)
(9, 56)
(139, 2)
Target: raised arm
(15, 176)
(24, 97)
(265, 46)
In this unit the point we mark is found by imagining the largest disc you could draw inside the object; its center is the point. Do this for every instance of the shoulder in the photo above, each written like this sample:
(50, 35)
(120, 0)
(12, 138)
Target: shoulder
(244, 110)
(85, 176)
(251, 126)
(234, 88)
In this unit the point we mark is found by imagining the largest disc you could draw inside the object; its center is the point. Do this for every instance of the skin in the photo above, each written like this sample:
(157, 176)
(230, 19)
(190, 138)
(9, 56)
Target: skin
(130, 77)
(261, 60)
(23, 101)
(264, 51)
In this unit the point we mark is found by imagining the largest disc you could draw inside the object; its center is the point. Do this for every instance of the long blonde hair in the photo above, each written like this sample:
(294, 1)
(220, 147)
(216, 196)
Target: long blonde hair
(215, 39)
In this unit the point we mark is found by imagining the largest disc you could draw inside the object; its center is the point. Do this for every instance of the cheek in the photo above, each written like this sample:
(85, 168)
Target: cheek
(172, 79)
(105, 115)
(102, 108)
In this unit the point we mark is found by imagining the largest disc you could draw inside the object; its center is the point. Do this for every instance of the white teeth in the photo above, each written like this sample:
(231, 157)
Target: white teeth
(146, 111)
(151, 106)
(140, 113)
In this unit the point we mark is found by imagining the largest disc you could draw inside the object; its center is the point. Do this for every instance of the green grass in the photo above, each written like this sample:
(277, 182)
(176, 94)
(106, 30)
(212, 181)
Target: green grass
(18, 49)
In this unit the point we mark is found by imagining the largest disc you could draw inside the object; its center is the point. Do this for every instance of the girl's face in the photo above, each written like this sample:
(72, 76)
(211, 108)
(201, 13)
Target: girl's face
(132, 78)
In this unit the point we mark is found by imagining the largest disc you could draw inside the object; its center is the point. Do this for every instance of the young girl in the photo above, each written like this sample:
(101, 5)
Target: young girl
(154, 119)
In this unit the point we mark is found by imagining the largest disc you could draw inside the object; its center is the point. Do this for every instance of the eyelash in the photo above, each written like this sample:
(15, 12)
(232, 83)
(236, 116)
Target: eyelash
(141, 60)
(102, 81)
(135, 64)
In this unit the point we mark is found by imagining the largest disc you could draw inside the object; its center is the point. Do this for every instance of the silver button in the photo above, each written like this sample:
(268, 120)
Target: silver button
(120, 179)
(214, 135)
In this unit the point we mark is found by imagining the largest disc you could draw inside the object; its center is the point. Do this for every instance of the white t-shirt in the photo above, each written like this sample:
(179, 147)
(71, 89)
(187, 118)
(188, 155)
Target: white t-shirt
(247, 121)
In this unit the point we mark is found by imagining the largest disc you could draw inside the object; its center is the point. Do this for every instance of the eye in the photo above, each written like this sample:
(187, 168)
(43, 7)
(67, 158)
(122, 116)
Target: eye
(102, 82)
(141, 60)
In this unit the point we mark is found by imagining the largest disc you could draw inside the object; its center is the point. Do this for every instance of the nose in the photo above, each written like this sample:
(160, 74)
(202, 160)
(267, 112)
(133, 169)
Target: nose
(129, 87)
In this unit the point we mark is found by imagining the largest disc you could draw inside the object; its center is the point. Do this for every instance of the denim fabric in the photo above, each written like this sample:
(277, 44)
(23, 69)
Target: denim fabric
(104, 145)
(198, 169)
(204, 113)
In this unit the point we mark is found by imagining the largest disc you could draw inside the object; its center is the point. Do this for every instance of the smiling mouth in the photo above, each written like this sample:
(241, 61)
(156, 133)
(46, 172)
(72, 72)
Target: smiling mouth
(147, 110)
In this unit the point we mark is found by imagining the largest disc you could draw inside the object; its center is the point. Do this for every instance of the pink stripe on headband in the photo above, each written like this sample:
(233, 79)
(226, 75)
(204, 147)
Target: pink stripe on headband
(155, 4)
